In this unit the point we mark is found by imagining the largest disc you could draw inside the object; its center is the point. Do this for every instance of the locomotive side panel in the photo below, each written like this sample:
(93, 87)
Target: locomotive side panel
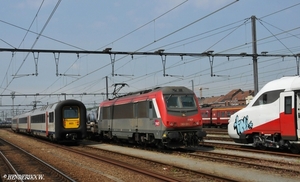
(147, 118)
(124, 121)
(105, 121)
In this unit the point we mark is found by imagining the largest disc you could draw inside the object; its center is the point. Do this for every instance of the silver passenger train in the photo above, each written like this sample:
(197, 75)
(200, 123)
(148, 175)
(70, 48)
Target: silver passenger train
(61, 121)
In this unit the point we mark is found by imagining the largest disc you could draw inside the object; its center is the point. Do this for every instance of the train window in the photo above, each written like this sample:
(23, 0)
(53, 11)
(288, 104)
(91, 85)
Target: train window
(23, 120)
(288, 105)
(38, 118)
(228, 114)
(51, 117)
(70, 112)
(268, 97)
(223, 114)
(205, 114)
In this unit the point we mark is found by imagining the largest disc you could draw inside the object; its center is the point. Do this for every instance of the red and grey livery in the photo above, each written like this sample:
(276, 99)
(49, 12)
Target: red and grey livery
(272, 118)
(164, 116)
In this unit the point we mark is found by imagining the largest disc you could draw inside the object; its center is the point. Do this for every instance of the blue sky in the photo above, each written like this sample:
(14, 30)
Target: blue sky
(134, 25)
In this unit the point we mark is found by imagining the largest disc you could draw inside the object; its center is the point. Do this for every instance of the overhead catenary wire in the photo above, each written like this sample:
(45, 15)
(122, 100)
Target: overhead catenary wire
(37, 38)
(6, 74)
(153, 42)
(130, 79)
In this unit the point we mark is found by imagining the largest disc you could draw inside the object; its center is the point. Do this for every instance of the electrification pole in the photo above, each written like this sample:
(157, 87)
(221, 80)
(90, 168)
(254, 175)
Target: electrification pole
(13, 97)
(106, 79)
(254, 50)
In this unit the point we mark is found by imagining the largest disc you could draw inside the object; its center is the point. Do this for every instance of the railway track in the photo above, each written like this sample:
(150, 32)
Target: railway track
(275, 166)
(248, 148)
(179, 173)
(136, 169)
(22, 166)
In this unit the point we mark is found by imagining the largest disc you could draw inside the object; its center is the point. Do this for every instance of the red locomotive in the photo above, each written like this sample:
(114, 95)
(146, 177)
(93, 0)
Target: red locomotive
(218, 116)
(163, 116)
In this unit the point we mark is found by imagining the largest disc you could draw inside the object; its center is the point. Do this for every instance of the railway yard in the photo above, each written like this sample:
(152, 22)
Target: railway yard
(216, 160)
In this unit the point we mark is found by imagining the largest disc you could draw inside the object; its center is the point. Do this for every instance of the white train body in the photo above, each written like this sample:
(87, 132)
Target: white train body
(272, 118)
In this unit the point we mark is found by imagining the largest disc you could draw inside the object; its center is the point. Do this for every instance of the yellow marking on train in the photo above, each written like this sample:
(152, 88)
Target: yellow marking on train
(71, 123)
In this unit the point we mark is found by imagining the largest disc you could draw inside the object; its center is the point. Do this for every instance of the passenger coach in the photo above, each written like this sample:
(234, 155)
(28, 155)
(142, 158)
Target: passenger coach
(218, 116)
(64, 120)
(164, 116)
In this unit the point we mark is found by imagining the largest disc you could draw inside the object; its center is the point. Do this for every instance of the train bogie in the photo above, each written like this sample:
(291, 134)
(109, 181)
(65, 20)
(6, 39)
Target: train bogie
(272, 118)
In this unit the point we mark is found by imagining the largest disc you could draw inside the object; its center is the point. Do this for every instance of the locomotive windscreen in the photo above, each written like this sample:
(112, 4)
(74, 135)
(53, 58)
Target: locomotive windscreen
(180, 101)
(71, 112)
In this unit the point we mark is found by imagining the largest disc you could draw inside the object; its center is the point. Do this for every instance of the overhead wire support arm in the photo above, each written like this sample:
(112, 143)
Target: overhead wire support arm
(36, 60)
(164, 60)
(297, 62)
(211, 61)
(112, 60)
(56, 59)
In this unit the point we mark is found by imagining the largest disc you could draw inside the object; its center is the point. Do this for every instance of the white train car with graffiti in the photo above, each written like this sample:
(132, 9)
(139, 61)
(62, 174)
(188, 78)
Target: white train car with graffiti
(272, 118)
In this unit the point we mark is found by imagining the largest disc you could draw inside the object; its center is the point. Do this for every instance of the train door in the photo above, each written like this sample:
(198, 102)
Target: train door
(298, 114)
(288, 124)
(105, 117)
(47, 122)
(28, 124)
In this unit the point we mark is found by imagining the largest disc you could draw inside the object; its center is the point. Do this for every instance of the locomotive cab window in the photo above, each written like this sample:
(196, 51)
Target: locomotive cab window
(268, 97)
(70, 112)
(180, 101)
